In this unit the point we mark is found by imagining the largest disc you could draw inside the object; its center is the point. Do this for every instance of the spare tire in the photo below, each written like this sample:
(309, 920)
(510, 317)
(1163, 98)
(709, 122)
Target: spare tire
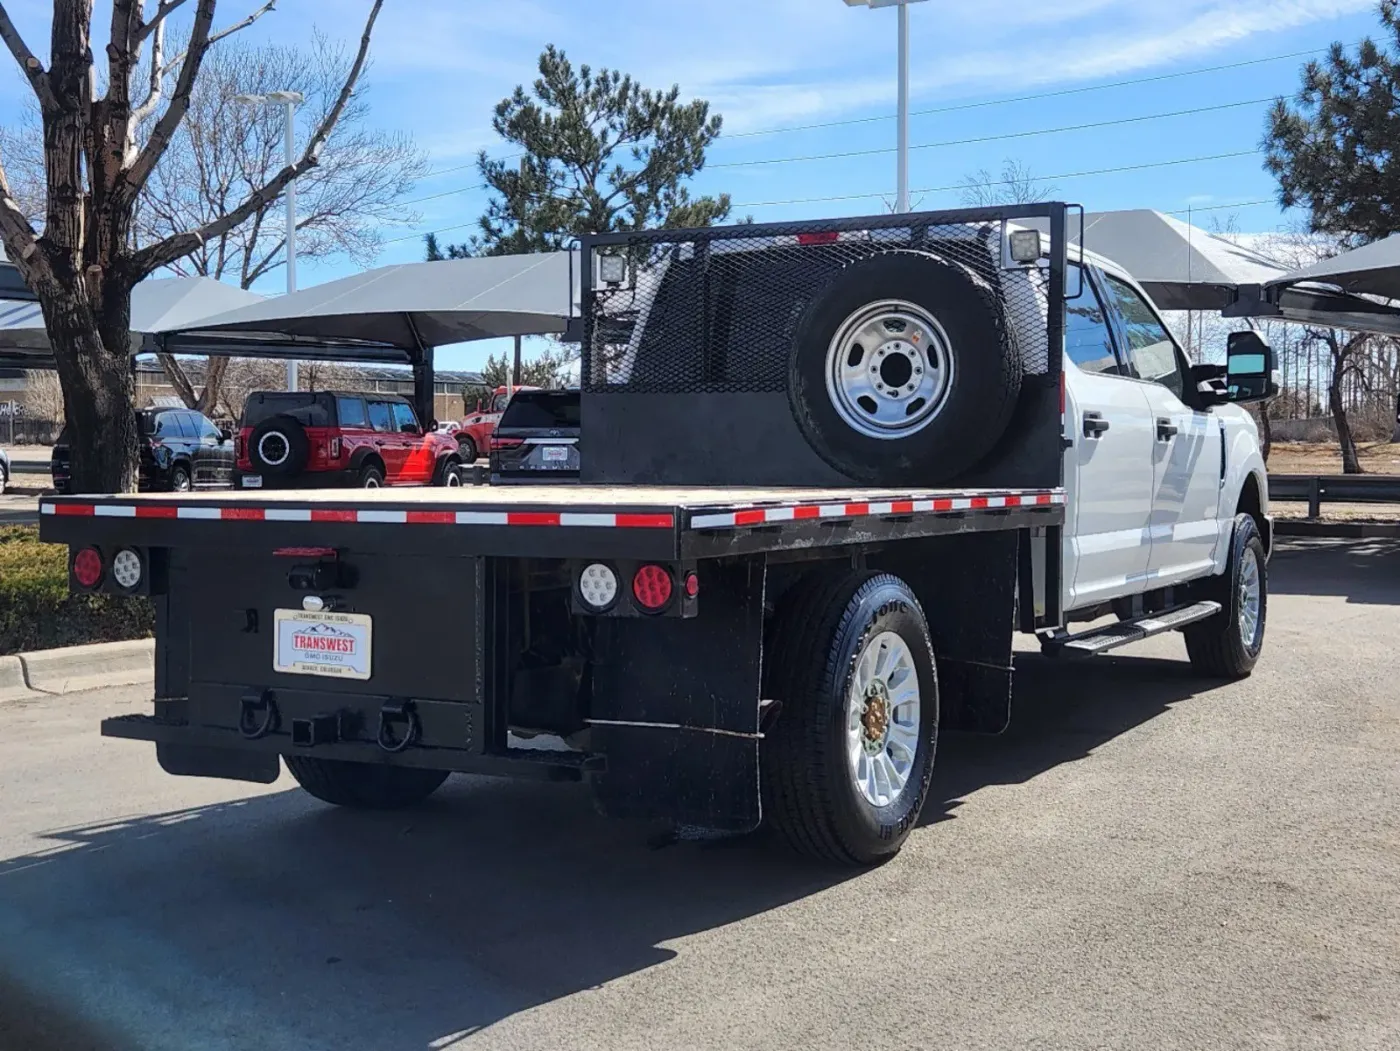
(903, 370)
(279, 446)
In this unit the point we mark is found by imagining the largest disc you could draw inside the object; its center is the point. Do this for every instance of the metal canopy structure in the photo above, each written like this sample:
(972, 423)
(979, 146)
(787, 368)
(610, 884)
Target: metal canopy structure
(413, 305)
(1373, 269)
(157, 306)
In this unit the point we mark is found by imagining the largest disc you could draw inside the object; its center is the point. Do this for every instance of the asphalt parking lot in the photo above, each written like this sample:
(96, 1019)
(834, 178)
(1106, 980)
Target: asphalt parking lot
(1147, 860)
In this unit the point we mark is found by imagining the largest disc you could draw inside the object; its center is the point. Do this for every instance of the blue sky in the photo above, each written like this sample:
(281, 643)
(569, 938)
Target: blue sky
(440, 66)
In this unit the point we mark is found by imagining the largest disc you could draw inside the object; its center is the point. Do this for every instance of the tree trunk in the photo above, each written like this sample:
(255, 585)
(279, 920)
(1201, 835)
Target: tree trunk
(98, 389)
(1266, 433)
(1395, 438)
(1350, 464)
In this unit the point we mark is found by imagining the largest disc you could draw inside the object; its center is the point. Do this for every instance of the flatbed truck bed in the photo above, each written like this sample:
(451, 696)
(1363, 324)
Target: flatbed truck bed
(540, 521)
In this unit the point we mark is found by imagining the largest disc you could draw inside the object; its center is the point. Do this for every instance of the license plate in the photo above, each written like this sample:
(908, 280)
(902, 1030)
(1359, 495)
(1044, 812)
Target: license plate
(252, 481)
(337, 645)
(555, 453)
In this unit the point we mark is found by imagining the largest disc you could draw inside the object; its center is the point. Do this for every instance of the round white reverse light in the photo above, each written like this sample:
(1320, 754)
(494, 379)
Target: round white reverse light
(597, 586)
(126, 568)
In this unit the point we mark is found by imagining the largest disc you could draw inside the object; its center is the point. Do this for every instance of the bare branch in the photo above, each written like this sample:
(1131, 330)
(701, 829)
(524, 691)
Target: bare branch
(33, 68)
(155, 90)
(181, 244)
(164, 130)
(20, 240)
(158, 19)
(230, 30)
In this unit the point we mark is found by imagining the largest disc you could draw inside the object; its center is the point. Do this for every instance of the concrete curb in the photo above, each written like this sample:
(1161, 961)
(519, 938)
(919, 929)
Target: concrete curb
(12, 684)
(76, 668)
(1337, 530)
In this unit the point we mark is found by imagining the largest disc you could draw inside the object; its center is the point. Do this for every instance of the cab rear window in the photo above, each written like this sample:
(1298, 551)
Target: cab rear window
(541, 409)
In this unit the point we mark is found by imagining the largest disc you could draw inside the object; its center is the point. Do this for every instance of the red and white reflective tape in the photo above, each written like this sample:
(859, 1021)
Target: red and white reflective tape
(646, 520)
(757, 516)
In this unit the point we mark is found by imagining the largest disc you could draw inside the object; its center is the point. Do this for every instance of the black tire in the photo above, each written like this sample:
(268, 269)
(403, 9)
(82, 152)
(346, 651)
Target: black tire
(1217, 646)
(449, 472)
(979, 401)
(279, 446)
(466, 447)
(180, 479)
(365, 786)
(371, 476)
(809, 794)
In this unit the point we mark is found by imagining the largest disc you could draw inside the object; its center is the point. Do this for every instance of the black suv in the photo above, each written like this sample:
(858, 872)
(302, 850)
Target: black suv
(537, 438)
(180, 450)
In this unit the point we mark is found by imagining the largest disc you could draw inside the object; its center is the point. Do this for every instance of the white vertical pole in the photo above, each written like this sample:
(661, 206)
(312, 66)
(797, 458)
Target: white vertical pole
(902, 198)
(291, 146)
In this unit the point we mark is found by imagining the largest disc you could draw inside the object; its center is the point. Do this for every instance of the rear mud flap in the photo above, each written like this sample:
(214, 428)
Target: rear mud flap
(676, 708)
(233, 764)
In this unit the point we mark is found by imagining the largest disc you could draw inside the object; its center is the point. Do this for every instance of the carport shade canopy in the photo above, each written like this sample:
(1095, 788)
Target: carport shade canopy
(157, 306)
(415, 305)
(1373, 269)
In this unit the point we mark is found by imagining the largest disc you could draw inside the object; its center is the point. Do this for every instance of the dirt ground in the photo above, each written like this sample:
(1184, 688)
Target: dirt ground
(1326, 458)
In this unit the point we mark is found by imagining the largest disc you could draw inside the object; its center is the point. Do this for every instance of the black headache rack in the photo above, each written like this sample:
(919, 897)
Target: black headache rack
(687, 355)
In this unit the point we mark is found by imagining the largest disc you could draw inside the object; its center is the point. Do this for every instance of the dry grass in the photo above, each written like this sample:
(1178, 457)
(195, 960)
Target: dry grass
(1326, 458)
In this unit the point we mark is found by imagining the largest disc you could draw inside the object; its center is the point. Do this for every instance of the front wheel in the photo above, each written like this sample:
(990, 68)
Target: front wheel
(365, 786)
(467, 448)
(847, 765)
(371, 477)
(180, 479)
(1228, 644)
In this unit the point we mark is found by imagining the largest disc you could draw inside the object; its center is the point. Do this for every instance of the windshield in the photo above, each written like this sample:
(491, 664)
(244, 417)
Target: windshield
(544, 410)
(310, 410)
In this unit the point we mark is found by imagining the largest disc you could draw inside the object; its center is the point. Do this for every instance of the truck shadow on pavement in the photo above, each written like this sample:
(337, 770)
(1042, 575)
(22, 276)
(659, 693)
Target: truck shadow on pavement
(399, 929)
(1361, 571)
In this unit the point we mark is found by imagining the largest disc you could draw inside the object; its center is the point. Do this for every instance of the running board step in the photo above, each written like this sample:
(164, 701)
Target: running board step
(1101, 640)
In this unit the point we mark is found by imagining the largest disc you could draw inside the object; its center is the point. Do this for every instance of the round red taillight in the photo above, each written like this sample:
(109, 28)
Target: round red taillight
(652, 587)
(692, 585)
(87, 567)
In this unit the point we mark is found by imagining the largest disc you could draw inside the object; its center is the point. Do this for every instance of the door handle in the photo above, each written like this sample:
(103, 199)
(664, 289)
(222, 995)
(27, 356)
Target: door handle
(1166, 430)
(379, 441)
(1094, 424)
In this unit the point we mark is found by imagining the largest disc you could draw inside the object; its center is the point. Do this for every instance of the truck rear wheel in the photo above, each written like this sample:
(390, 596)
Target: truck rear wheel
(904, 367)
(1228, 644)
(364, 786)
(846, 767)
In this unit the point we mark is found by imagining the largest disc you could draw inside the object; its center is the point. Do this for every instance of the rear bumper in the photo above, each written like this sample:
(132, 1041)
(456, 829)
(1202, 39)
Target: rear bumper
(338, 479)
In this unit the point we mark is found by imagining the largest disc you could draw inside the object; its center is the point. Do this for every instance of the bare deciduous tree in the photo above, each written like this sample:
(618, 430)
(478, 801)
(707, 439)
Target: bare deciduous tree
(1017, 185)
(98, 160)
(43, 398)
(225, 150)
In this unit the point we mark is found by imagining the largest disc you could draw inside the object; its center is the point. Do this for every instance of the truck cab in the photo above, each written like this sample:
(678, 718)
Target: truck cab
(1157, 465)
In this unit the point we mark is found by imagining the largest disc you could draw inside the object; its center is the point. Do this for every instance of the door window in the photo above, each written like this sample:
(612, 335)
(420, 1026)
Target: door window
(405, 421)
(381, 416)
(168, 426)
(1150, 350)
(352, 412)
(206, 428)
(1087, 340)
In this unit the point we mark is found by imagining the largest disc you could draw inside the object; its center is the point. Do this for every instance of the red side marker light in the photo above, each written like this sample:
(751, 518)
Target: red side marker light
(692, 585)
(651, 585)
(826, 237)
(87, 567)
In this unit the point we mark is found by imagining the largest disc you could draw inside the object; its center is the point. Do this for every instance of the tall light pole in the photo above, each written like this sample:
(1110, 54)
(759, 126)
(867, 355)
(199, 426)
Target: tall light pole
(290, 100)
(902, 193)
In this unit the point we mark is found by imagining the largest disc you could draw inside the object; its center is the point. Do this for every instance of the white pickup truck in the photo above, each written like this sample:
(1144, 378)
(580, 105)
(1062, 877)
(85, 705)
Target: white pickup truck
(827, 471)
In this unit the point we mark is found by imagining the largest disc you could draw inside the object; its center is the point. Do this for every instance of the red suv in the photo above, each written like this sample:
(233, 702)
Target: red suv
(295, 440)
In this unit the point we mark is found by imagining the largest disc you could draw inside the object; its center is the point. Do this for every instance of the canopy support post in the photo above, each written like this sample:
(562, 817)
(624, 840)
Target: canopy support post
(424, 380)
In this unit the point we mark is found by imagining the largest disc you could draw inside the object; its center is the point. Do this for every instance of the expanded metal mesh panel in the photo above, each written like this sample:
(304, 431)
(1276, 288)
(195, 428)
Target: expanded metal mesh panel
(718, 311)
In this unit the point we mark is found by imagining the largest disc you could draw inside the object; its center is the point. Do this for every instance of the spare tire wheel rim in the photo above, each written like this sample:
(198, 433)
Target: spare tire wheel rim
(274, 449)
(883, 714)
(889, 369)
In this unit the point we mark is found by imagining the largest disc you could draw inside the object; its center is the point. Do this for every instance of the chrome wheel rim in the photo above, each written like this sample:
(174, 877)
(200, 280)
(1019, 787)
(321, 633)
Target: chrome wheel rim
(371, 482)
(882, 719)
(182, 482)
(1251, 597)
(889, 369)
(453, 479)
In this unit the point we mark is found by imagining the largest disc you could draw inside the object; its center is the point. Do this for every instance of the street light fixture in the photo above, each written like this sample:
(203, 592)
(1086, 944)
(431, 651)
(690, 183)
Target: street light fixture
(289, 100)
(902, 193)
